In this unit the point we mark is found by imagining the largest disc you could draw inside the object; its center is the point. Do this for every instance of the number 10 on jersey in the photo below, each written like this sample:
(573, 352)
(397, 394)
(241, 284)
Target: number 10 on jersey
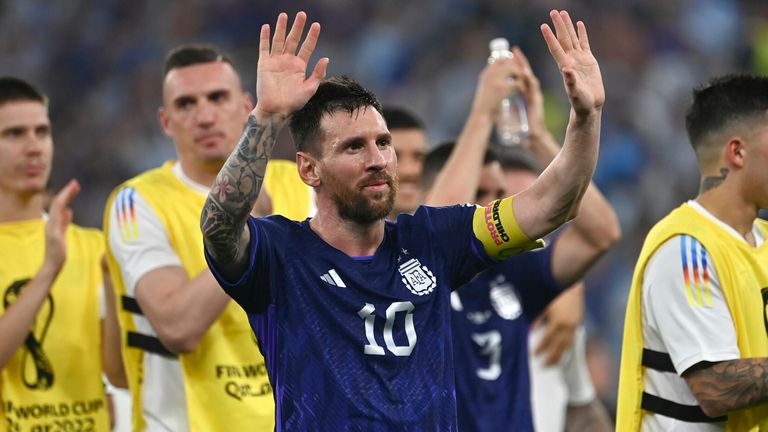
(372, 347)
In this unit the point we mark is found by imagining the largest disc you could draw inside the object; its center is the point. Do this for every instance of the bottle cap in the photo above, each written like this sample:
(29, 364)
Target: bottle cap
(499, 44)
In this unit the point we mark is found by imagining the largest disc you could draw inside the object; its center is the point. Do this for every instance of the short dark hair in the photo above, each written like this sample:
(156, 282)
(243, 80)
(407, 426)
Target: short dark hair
(14, 89)
(513, 158)
(334, 94)
(188, 55)
(401, 118)
(724, 100)
(436, 159)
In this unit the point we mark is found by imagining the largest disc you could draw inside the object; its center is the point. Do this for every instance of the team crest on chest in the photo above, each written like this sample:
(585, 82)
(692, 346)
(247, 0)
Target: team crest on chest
(504, 299)
(417, 277)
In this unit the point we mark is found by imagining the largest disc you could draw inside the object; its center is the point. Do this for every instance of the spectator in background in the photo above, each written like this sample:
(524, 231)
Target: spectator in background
(53, 347)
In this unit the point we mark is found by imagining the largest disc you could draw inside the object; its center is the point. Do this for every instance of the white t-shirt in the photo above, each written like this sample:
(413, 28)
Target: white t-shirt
(555, 388)
(686, 316)
(163, 398)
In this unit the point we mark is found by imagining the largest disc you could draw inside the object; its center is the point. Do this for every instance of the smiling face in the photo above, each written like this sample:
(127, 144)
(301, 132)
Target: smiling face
(26, 148)
(204, 112)
(358, 166)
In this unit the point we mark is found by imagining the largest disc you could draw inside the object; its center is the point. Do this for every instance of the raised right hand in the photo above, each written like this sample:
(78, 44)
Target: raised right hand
(282, 86)
(59, 218)
(530, 88)
(496, 82)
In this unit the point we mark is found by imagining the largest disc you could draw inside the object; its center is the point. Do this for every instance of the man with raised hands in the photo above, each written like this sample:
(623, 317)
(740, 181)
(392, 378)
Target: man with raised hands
(352, 311)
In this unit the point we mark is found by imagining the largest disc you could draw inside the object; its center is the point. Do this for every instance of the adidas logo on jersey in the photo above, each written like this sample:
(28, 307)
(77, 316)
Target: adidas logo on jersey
(332, 278)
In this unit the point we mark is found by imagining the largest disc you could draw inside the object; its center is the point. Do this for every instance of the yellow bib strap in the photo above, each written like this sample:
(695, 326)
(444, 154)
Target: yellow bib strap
(496, 227)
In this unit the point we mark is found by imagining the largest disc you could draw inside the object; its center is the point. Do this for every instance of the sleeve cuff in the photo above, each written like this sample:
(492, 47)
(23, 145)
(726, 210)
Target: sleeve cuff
(686, 363)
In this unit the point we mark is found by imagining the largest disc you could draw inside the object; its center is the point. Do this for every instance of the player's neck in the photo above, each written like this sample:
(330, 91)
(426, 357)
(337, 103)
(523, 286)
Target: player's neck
(201, 174)
(352, 238)
(14, 207)
(731, 207)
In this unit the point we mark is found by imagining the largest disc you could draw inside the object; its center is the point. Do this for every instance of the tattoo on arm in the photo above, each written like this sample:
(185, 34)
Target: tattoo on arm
(235, 191)
(713, 182)
(730, 385)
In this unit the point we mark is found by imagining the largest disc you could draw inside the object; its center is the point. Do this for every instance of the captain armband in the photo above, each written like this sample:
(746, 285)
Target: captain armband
(497, 229)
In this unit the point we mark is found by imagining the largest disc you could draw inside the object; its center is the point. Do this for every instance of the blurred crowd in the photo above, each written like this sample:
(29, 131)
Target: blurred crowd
(100, 61)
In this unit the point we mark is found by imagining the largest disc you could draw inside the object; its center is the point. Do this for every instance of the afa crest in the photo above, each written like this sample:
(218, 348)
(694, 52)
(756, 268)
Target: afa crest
(504, 299)
(417, 277)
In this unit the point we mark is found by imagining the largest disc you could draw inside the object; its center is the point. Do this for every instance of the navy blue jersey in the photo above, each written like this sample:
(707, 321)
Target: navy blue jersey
(490, 320)
(359, 343)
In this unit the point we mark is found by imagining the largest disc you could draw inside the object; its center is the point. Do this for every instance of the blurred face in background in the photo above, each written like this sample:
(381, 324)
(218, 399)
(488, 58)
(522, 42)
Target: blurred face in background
(204, 111)
(492, 185)
(26, 148)
(410, 147)
(516, 180)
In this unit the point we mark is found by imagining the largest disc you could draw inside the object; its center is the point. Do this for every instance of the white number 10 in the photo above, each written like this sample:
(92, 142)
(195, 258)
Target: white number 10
(373, 348)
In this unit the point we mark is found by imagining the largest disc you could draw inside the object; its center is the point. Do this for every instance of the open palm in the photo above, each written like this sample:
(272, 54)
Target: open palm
(282, 86)
(581, 73)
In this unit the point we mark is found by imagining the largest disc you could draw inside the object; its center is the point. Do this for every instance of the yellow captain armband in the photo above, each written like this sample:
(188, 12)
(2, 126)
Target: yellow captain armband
(497, 229)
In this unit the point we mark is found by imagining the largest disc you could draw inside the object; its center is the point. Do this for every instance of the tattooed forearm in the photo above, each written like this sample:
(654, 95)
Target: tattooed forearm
(235, 191)
(730, 385)
(712, 181)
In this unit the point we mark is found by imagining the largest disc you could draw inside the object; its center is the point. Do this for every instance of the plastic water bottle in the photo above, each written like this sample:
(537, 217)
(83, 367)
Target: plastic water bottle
(512, 123)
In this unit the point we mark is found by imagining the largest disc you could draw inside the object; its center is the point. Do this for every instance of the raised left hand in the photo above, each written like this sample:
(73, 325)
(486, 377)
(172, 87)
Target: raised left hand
(581, 73)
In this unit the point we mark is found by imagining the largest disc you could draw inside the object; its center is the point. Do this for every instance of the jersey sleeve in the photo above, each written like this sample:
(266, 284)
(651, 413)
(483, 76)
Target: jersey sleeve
(252, 289)
(450, 233)
(496, 227)
(137, 238)
(684, 305)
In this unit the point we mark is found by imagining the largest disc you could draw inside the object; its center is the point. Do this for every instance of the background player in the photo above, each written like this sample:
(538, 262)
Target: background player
(695, 351)
(492, 313)
(191, 358)
(409, 139)
(52, 350)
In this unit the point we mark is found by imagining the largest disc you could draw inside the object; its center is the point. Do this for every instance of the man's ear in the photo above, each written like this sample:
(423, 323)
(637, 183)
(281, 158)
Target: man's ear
(736, 151)
(162, 118)
(248, 101)
(308, 169)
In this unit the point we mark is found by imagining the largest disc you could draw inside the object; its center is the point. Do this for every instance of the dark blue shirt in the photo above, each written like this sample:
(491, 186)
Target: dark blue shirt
(491, 318)
(359, 344)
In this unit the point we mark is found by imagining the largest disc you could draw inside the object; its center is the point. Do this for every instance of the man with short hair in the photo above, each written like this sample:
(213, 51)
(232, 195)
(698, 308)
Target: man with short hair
(192, 361)
(352, 311)
(409, 140)
(52, 349)
(695, 349)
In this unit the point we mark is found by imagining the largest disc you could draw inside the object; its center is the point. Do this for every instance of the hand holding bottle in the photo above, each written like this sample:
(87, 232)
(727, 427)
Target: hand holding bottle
(512, 119)
(496, 82)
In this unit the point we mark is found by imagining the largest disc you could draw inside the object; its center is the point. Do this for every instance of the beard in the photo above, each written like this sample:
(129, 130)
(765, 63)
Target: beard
(354, 205)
